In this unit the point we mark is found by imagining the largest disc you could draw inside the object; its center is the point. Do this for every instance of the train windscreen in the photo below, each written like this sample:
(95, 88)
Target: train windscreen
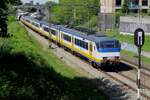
(108, 44)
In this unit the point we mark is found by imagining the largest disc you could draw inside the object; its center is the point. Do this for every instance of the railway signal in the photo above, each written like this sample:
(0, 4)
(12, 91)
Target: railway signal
(139, 38)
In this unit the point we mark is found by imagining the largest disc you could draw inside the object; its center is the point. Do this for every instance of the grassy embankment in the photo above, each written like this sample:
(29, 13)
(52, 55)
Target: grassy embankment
(27, 72)
(130, 39)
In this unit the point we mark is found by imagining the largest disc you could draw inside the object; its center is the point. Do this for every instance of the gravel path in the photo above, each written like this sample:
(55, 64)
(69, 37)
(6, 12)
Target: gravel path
(112, 88)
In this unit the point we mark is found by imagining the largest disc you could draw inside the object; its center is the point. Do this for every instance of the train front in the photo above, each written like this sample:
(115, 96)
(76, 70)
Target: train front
(108, 50)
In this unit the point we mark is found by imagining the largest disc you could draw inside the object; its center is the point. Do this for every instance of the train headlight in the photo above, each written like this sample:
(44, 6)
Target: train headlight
(104, 58)
(117, 57)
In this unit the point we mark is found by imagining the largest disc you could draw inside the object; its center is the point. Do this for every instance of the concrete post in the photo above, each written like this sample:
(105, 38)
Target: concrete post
(122, 2)
(149, 4)
(140, 3)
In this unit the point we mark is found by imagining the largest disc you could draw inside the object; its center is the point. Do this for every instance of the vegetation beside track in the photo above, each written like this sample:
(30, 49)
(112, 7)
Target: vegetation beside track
(129, 39)
(133, 57)
(27, 72)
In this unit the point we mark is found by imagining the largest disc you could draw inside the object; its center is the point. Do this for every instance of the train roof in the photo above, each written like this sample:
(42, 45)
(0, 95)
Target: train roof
(96, 38)
(32, 19)
(44, 23)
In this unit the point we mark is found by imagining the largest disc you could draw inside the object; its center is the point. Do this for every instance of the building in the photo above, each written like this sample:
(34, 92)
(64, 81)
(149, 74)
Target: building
(31, 2)
(128, 24)
(110, 6)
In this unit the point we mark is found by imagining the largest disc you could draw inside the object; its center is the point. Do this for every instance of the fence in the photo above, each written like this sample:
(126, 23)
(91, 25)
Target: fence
(129, 24)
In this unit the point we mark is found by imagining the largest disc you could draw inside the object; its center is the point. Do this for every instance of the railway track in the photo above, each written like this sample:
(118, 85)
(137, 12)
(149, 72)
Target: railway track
(129, 86)
(146, 86)
(116, 71)
(109, 74)
(134, 65)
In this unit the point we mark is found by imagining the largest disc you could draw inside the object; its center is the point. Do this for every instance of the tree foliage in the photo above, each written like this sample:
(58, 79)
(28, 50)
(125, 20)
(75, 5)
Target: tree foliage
(75, 12)
(4, 13)
(125, 6)
(3, 17)
(16, 2)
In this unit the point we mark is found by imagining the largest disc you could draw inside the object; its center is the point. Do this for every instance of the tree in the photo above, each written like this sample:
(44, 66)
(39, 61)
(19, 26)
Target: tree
(3, 18)
(16, 2)
(4, 14)
(50, 3)
(75, 12)
(125, 6)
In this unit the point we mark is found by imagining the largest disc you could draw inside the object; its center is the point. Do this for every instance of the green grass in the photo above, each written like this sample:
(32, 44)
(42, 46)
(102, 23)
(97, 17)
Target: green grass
(30, 73)
(134, 57)
(129, 39)
(22, 42)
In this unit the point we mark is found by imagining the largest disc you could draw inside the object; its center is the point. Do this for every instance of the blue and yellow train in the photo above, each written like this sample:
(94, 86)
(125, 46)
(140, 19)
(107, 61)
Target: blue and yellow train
(99, 50)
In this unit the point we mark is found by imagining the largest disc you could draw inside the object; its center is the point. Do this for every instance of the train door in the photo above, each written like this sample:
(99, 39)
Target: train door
(59, 36)
(72, 41)
(91, 50)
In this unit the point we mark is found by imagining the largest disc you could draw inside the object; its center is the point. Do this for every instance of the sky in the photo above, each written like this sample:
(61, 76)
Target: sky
(40, 1)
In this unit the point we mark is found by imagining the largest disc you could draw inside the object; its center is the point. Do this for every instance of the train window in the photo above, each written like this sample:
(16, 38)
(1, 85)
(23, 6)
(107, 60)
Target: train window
(94, 47)
(98, 45)
(108, 44)
(32, 23)
(75, 42)
(117, 44)
(37, 25)
(86, 45)
(67, 37)
(28, 21)
(81, 43)
(46, 29)
(53, 32)
(78, 42)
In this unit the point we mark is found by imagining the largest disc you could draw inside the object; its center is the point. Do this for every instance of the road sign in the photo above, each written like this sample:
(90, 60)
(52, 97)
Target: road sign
(139, 36)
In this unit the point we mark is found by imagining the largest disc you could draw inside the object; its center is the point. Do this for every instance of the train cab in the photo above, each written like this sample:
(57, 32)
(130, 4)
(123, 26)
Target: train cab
(107, 50)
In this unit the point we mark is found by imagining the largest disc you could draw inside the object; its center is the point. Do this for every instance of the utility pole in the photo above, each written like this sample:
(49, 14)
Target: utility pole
(74, 16)
(105, 14)
(139, 60)
(89, 20)
(49, 22)
(139, 74)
